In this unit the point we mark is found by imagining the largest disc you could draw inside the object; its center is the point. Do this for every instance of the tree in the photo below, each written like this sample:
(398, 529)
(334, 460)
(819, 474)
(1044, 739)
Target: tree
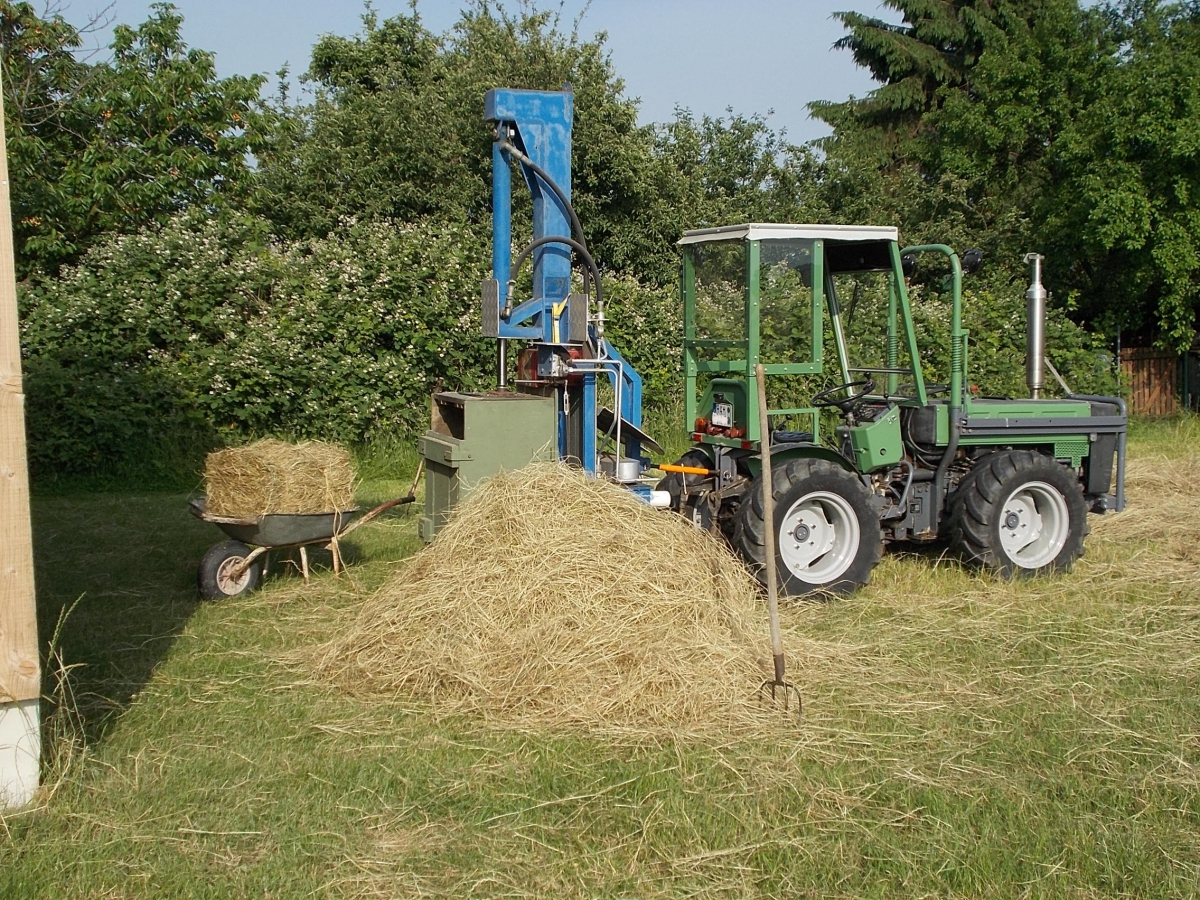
(398, 109)
(111, 146)
(715, 171)
(1036, 124)
(973, 95)
(1125, 208)
(378, 141)
(396, 130)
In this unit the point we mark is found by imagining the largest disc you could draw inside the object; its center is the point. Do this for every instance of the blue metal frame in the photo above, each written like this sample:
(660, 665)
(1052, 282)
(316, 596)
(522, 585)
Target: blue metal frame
(539, 123)
(631, 397)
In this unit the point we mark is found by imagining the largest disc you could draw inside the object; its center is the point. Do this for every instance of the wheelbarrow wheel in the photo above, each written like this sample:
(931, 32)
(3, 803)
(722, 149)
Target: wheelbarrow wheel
(224, 574)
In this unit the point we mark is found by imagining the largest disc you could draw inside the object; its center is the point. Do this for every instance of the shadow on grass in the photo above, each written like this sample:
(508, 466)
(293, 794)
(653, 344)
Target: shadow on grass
(130, 560)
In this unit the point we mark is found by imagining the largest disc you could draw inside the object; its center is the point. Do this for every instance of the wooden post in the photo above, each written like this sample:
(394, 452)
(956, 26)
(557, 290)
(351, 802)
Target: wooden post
(20, 675)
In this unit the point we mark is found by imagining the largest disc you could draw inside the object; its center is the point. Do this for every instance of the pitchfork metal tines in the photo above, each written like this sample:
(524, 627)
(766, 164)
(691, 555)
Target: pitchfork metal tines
(781, 690)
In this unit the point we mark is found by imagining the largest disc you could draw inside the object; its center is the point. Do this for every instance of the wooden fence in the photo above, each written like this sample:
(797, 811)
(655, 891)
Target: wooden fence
(1149, 376)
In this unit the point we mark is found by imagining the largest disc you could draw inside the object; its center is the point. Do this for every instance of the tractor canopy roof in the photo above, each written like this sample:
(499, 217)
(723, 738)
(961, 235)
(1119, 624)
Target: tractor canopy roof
(759, 231)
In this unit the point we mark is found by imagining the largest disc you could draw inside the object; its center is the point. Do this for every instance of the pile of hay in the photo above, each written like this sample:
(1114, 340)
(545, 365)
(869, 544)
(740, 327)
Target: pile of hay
(276, 477)
(555, 599)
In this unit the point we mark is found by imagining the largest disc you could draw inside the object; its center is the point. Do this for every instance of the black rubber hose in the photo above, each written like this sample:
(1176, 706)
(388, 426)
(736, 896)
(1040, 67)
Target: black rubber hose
(576, 225)
(939, 478)
(580, 244)
(588, 259)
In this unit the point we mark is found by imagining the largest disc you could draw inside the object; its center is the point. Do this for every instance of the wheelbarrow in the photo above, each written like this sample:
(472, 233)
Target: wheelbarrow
(236, 566)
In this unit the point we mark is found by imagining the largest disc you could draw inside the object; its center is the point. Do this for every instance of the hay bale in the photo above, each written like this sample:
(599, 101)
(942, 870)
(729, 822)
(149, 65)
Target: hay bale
(555, 599)
(272, 476)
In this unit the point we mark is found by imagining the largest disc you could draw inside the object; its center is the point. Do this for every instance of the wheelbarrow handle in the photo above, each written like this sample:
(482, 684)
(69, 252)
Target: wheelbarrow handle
(384, 507)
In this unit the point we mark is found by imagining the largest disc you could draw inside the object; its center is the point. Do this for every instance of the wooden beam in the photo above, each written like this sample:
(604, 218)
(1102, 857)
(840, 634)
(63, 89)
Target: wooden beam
(20, 672)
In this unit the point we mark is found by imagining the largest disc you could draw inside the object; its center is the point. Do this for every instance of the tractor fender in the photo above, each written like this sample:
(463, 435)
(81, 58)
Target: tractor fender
(783, 452)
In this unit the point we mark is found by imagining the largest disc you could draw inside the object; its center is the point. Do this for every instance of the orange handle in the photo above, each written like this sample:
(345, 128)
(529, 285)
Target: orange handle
(688, 470)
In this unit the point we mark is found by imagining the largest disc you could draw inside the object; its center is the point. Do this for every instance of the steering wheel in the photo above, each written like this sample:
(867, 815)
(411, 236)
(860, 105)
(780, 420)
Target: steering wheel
(848, 403)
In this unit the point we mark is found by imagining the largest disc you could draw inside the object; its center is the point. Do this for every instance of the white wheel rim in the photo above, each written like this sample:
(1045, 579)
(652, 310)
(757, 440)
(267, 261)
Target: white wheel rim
(228, 581)
(1034, 525)
(819, 537)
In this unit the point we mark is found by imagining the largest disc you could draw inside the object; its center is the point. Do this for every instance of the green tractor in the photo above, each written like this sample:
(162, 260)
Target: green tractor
(1008, 482)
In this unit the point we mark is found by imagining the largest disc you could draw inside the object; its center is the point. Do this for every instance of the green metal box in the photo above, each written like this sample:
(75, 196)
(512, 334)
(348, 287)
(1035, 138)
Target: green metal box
(472, 437)
(879, 444)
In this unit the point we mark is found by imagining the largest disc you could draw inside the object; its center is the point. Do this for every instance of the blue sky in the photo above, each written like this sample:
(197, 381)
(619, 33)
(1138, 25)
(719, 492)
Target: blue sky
(706, 55)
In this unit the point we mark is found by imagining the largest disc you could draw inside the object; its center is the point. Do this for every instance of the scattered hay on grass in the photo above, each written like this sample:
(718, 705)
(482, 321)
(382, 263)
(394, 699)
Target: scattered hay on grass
(272, 476)
(1157, 537)
(933, 655)
(555, 599)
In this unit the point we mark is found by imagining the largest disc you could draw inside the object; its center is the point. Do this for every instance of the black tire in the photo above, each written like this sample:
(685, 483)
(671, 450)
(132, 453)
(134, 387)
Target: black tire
(216, 577)
(1019, 513)
(841, 541)
(674, 481)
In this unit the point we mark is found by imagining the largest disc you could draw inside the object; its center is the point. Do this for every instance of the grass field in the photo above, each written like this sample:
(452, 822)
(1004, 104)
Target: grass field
(962, 737)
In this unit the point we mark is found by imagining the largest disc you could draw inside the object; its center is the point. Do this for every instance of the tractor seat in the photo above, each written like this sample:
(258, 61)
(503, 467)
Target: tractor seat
(792, 437)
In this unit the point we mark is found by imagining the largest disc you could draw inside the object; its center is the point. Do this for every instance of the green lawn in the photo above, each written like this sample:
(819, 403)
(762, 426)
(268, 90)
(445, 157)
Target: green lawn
(961, 737)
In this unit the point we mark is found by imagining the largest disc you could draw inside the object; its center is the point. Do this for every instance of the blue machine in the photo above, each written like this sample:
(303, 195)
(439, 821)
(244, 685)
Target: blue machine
(566, 352)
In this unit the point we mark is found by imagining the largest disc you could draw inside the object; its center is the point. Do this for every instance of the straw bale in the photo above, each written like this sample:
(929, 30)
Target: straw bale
(554, 599)
(272, 476)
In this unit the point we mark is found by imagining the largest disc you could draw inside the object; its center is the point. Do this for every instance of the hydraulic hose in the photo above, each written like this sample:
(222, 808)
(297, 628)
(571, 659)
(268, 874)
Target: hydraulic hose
(580, 242)
(939, 478)
(543, 175)
(954, 412)
(589, 260)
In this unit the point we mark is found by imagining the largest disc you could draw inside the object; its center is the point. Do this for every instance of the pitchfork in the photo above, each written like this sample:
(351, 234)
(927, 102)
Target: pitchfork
(779, 684)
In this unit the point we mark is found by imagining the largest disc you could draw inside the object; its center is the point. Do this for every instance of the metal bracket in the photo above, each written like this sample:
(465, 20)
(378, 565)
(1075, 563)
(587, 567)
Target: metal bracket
(490, 292)
(577, 318)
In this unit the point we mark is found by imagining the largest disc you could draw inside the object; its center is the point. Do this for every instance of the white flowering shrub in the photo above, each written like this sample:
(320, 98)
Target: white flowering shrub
(162, 344)
(201, 332)
(645, 324)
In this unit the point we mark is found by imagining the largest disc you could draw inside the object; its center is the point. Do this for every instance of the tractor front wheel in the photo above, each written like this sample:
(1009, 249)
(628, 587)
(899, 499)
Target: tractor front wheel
(827, 537)
(1020, 513)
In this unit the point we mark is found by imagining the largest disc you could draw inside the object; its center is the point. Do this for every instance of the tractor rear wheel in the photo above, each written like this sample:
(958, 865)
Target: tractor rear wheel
(1020, 513)
(827, 537)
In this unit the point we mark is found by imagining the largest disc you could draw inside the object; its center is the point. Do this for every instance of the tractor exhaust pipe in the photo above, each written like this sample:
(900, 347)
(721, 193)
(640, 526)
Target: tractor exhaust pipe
(1035, 327)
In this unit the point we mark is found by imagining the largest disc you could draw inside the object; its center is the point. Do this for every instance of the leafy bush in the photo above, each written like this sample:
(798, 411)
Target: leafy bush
(165, 343)
(994, 315)
(645, 324)
(204, 331)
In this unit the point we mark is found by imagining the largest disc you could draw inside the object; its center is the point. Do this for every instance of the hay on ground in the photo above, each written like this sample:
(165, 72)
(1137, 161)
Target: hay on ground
(555, 599)
(272, 476)
(1158, 534)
